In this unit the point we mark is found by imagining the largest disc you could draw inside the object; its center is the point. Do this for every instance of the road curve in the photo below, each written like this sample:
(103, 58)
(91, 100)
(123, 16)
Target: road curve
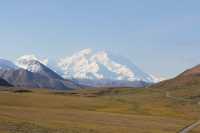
(190, 127)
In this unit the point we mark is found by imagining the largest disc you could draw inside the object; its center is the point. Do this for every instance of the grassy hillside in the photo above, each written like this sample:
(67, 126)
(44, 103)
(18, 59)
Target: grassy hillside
(96, 111)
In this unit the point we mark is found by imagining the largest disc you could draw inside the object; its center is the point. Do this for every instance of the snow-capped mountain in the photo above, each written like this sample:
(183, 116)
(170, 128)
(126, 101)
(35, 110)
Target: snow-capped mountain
(35, 74)
(31, 63)
(7, 65)
(35, 65)
(89, 68)
(102, 65)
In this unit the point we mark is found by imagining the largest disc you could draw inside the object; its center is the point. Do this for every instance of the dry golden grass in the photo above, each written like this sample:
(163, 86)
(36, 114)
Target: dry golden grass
(94, 111)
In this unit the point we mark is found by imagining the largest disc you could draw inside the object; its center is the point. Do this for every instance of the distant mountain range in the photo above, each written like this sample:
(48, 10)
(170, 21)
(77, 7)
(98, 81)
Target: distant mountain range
(35, 75)
(27, 79)
(83, 69)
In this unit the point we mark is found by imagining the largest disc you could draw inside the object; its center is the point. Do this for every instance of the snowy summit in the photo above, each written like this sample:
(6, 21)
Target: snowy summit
(102, 65)
(31, 63)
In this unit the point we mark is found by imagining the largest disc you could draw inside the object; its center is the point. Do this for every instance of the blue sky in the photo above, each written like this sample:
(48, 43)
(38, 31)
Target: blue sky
(160, 36)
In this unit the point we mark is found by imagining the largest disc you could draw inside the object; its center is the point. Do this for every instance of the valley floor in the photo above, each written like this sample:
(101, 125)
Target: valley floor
(94, 111)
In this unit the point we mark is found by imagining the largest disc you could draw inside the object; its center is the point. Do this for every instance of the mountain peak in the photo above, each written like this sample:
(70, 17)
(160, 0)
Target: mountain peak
(101, 65)
(86, 51)
(32, 57)
(31, 63)
(35, 65)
